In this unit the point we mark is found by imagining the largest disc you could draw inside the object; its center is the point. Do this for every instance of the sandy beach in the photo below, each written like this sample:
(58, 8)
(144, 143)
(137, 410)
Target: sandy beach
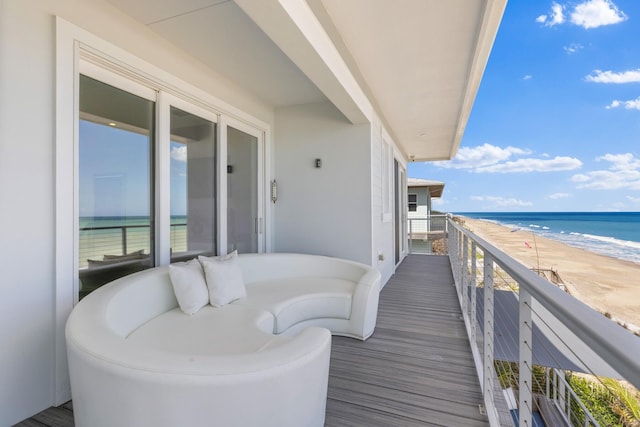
(608, 285)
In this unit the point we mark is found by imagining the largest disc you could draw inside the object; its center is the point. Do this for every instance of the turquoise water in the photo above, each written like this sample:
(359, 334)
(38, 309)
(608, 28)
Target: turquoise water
(616, 234)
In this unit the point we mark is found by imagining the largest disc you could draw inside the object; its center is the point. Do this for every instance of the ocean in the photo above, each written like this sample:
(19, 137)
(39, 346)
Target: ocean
(615, 234)
(114, 235)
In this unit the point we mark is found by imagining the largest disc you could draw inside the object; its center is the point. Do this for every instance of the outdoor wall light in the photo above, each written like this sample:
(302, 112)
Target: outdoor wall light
(318, 163)
(274, 191)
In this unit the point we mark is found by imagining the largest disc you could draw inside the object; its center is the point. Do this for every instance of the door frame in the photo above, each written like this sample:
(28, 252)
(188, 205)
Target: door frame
(263, 224)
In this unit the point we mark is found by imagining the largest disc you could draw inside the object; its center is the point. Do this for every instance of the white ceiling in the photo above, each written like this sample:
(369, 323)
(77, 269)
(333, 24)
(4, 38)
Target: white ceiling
(222, 36)
(418, 63)
(417, 58)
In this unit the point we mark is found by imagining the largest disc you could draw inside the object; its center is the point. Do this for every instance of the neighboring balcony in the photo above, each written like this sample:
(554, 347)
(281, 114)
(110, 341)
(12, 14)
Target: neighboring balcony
(428, 234)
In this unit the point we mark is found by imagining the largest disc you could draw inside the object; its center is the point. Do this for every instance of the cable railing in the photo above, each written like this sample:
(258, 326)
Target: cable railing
(104, 242)
(427, 235)
(540, 353)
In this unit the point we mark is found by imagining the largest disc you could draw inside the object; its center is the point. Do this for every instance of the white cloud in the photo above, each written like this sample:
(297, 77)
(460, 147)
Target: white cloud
(554, 17)
(632, 104)
(573, 48)
(561, 163)
(599, 76)
(488, 158)
(556, 196)
(482, 155)
(179, 153)
(503, 202)
(633, 199)
(527, 77)
(596, 13)
(621, 162)
(623, 173)
(580, 178)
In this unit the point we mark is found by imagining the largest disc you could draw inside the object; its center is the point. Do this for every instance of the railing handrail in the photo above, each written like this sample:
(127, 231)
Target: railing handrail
(113, 227)
(602, 335)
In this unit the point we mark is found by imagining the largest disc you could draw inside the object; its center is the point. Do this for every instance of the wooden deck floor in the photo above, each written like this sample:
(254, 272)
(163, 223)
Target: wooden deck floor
(416, 370)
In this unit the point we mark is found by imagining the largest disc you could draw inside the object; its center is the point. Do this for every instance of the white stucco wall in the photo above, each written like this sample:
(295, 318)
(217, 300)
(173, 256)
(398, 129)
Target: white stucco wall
(325, 211)
(27, 176)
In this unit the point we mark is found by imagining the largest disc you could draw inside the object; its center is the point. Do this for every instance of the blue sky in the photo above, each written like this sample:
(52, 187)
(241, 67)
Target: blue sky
(115, 176)
(556, 123)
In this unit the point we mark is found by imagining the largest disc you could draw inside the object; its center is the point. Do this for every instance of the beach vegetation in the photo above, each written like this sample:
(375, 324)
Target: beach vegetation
(611, 402)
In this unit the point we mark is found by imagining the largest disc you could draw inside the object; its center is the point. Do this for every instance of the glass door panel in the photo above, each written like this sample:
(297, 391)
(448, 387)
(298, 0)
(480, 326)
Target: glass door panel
(244, 224)
(115, 185)
(193, 184)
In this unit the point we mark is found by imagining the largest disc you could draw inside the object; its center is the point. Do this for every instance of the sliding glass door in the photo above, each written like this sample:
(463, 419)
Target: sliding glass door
(116, 133)
(192, 153)
(245, 223)
(152, 169)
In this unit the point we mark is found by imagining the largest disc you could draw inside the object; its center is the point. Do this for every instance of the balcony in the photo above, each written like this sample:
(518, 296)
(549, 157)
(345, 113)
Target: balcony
(448, 349)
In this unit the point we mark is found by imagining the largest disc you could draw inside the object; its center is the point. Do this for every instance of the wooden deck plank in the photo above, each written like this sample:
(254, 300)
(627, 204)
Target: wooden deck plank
(416, 369)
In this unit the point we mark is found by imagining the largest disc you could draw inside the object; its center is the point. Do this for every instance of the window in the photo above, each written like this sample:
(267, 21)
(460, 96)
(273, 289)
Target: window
(244, 223)
(115, 183)
(413, 202)
(193, 184)
(122, 228)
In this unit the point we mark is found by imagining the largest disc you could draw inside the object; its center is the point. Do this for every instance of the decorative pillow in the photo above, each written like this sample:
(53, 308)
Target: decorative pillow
(189, 285)
(224, 278)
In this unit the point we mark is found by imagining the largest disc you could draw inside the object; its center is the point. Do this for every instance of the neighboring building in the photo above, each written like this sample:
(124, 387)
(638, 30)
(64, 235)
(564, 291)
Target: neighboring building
(423, 228)
(420, 194)
(204, 126)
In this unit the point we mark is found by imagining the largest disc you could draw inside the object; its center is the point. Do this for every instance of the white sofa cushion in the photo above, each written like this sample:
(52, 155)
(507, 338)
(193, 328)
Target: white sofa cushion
(232, 329)
(189, 285)
(224, 278)
(294, 300)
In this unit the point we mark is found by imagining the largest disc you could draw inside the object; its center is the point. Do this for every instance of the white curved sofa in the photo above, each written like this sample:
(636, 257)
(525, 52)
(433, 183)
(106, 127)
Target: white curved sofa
(135, 359)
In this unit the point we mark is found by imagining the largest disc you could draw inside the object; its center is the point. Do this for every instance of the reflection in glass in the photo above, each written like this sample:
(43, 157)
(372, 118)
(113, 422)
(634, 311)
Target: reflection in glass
(115, 184)
(242, 192)
(193, 204)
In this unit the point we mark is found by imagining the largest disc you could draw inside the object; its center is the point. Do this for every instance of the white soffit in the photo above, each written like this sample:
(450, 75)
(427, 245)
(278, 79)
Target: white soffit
(422, 62)
(220, 35)
(417, 63)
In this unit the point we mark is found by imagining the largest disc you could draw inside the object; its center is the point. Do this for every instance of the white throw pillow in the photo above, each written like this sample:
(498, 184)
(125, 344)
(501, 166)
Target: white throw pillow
(189, 285)
(224, 278)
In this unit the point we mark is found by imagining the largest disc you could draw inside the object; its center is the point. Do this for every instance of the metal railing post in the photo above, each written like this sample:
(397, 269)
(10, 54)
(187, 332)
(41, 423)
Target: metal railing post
(488, 334)
(410, 236)
(472, 292)
(525, 404)
(124, 239)
(464, 272)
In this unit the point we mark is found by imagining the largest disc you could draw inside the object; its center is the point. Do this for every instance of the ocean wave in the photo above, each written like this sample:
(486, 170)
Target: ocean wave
(534, 226)
(610, 246)
(613, 240)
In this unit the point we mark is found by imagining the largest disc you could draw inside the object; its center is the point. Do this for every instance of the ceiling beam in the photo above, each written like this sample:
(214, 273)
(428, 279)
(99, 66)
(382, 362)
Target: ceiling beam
(294, 28)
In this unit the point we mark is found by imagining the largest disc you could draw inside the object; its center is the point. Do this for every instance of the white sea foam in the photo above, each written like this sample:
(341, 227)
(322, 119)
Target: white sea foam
(534, 226)
(612, 240)
(610, 246)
